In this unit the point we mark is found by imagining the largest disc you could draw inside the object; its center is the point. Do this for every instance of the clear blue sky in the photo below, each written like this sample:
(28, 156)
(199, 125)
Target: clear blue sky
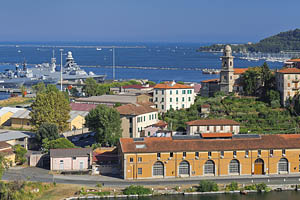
(146, 20)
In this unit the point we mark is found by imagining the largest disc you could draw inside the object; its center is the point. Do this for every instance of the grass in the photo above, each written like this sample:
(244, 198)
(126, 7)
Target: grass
(60, 191)
(14, 101)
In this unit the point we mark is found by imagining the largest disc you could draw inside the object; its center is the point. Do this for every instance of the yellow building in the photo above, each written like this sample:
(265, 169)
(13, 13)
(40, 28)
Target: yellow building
(8, 153)
(77, 119)
(6, 113)
(21, 119)
(189, 156)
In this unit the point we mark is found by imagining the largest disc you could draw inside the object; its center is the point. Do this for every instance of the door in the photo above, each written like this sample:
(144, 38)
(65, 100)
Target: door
(61, 165)
(215, 129)
(259, 167)
(81, 165)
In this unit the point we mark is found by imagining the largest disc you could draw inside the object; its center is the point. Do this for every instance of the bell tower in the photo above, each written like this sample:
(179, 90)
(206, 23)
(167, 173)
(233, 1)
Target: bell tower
(227, 72)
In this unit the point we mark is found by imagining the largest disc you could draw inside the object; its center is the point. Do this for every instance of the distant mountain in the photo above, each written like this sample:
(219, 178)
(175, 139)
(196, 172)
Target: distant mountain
(284, 41)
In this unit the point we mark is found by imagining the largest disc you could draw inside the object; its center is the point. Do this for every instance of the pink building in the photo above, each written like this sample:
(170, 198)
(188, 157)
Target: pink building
(75, 159)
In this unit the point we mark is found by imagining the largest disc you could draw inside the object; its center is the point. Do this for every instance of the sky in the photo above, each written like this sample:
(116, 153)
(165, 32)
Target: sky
(146, 20)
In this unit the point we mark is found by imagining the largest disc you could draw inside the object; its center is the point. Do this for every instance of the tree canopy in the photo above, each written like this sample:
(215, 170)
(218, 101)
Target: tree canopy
(47, 130)
(60, 143)
(20, 154)
(106, 123)
(51, 106)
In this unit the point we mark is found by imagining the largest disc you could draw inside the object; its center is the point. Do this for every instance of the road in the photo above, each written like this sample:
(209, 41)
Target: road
(42, 175)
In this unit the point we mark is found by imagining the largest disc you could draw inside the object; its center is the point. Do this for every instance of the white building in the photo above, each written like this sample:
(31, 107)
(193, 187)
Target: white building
(171, 95)
(135, 118)
(212, 126)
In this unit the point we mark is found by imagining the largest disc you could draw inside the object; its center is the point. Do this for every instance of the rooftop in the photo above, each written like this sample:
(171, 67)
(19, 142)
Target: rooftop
(289, 71)
(240, 70)
(9, 109)
(74, 114)
(109, 99)
(82, 106)
(216, 135)
(211, 122)
(135, 109)
(172, 85)
(136, 87)
(21, 114)
(7, 135)
(72, 152)
(210, 80)
(168, 144)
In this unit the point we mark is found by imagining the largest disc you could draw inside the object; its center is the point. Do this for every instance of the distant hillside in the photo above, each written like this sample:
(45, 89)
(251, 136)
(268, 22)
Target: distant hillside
(284, 41)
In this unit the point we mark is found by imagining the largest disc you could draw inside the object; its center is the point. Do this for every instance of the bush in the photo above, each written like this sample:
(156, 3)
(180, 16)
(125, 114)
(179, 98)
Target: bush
(261, 187)
(232, 186)
(136, 190)
(207, 186)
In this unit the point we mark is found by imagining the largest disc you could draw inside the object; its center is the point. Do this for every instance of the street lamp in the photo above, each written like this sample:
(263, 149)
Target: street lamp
(61, 79)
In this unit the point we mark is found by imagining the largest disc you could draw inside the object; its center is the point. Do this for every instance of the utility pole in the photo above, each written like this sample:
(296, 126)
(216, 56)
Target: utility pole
(61, 66)
(114, 76)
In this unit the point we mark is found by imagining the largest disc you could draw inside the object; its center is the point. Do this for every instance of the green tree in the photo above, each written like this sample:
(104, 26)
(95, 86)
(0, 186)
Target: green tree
(20, 154)
(90, 87)
(60, 143)
(4, 164)
(39, 88)
(151, 83)
(51, 107)
(74, 92)
(47, 130)
(106, 123)
(251, 81)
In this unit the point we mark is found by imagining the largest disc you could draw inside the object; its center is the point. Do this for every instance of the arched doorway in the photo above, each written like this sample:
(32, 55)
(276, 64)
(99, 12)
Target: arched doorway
(158, 169)
(259, 166)
(283, 166)
(209, 168)
(234, 167)
(184, 168)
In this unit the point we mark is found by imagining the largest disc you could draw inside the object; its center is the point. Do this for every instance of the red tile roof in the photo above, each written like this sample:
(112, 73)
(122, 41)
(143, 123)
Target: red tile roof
(82, 106)
(216, 135)
(294, 60)
(289, 71)
(205, 106)
(132, 109)
(168, 144)
(211, 122)
(169, 85)
(210, 80)
(161, 124)
(240, 70)
(136, 87)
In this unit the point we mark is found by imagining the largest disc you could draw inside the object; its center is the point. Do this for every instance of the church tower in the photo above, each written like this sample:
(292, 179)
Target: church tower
(227, 72)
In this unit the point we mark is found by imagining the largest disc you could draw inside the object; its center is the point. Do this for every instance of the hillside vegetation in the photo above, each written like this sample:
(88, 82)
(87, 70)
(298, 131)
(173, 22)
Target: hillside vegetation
(254, 116)
(284, 41)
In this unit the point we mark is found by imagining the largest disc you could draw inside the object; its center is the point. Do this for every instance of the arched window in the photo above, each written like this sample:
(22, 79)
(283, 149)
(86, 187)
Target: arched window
(209, 167)
(158, 169)
(283, 165)
(234, 167)
(184, 168)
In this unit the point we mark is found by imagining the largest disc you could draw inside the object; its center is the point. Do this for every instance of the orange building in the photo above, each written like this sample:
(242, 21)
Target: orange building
(192, 156)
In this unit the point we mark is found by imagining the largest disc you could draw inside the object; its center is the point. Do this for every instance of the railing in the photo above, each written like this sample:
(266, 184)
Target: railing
(295, 80)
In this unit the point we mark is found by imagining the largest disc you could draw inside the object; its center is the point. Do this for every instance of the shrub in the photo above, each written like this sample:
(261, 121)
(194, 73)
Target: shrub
(232, 186)
(250, 187)
(261, 187)
(207, 186)
(136, 190)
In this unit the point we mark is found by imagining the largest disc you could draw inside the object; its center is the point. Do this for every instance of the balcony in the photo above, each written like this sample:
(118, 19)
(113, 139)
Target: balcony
(295, 88)
(295, 80)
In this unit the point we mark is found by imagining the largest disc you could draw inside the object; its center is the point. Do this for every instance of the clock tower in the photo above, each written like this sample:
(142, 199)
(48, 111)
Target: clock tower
(227, 72)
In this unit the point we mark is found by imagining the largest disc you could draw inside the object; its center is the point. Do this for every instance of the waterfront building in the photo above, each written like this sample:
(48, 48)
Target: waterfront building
(230, 77)
(287, 83)
(136, 118)
(172, 95)
(212, 126)
(191, 156)
(132, 89)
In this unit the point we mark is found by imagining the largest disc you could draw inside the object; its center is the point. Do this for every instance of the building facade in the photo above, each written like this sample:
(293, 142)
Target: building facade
(171, 95)
(77, 159)
(152, 158)
(135, 118)
(197, 127)
(287, 83)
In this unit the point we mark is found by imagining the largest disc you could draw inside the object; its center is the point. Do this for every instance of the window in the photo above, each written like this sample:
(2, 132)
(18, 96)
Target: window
(162, 99)
(170, 99)
(158, 155)
(196, 154)
(144, 118)
(162, 92)
(247, 153)
(271, 152)
(209, 154)
(183, 91)
(156, 99)
(183, 99)
(171, 92)
(158, 169)
(140, 159)
(184, 168)
(234, 167)
(209, 167)
(171, 154)
(149, 133)
(184, 154)
(149, 117)
(289, 77)
(170, 106)
(162, 107)
(189, 98)
(156, 91)
(131, 159)
(130, 120)
(140, 171)
(289, 85)
(221, 128)
(176, 91)
(283, 152)
(182, 105)
(234, 153)
(207, 128)
(74, 158)
(222, 153)
(259, 152)
(283, 165)
(176, 99)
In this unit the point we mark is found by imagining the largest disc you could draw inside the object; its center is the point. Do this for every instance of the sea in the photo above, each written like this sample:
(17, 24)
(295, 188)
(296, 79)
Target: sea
(153, 61)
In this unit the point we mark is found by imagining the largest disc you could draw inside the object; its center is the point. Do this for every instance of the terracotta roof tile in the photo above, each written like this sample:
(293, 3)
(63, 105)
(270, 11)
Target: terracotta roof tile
(132, 109)
(289, 71)
(205, 106)
(168, 144)
(209, 122)
(161, 124)
(82, 106)
(240, 70)
(216, 135)
(169, 85)
(210, 80)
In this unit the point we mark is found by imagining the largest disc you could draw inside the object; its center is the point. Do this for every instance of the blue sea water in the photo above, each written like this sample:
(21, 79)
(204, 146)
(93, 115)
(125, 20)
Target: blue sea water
(181, 58)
